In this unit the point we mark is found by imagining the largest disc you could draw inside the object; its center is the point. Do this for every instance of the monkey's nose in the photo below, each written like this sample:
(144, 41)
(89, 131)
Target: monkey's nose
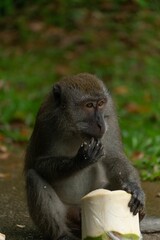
(101, 127)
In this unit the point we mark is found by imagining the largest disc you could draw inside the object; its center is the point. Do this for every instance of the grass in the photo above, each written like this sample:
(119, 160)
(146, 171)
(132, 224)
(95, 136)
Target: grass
(123, 53)
(139, 122)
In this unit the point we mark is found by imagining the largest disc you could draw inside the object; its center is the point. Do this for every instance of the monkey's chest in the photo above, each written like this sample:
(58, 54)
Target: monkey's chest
(72, 189)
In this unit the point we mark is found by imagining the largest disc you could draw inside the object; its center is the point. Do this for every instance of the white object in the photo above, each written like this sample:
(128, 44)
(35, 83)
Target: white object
(106, 214)
(2, 236)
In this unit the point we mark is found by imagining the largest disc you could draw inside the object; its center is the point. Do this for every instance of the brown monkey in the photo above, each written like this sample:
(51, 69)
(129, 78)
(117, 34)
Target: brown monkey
(75, 148)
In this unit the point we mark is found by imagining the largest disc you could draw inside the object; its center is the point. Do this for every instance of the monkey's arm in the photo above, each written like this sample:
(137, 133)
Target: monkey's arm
(51, 167)
(123, 176)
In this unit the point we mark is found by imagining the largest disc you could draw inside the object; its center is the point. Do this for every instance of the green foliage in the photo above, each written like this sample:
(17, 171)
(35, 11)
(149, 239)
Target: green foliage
(155, 4)
(65, 10)
(42, 43)
(149, 168)
(6, 7)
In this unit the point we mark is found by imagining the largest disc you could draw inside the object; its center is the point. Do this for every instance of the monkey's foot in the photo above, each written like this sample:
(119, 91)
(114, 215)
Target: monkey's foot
(66, 237)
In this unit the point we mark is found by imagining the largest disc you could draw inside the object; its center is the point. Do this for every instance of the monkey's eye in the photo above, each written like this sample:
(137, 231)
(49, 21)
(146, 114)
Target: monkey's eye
(89, 105)
(101, 103)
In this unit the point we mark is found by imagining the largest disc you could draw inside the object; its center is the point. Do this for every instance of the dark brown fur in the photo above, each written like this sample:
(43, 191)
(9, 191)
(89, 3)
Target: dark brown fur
(75, 148)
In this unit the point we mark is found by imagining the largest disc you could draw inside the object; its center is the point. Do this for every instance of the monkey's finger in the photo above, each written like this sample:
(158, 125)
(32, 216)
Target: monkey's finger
(135, 207)
(100, 152)
(85, 146)
(132, 201)
(138, 208)
(96, 148)
(92, 142)
(136, 211)
(142, 214)
(97, 145)
(134, 204)
(91, 147)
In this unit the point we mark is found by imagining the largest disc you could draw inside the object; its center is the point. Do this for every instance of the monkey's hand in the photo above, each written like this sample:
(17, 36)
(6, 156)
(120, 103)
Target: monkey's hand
(90, 153)
(137, 201)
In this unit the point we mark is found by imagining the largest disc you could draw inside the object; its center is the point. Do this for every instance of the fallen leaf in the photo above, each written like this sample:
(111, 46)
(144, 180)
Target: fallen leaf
(4, 156)
(4, 175)
(62, 69)
(4, 153)
(158, 195)
(121, 90)
(20, 226)
(2, 138)
(137, 155)
(136, 108)
(25, 132)
(36, 26)
(3, 149)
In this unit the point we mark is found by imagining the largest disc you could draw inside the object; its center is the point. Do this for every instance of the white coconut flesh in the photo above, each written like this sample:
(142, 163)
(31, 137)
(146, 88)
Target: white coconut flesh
(106, 215)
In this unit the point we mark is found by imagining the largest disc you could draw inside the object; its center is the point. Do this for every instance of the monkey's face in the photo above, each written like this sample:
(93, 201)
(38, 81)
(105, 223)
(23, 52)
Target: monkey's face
(84, 105)
(89, 116)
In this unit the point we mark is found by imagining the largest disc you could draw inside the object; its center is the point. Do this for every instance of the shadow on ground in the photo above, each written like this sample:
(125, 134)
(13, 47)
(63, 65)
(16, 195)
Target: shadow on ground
(15, 222)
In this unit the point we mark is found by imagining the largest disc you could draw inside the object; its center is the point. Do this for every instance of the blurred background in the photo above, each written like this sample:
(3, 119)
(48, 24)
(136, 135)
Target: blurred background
(118, 40)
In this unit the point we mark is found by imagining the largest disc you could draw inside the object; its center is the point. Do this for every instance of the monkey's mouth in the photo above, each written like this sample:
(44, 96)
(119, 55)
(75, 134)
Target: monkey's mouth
(88, 136)
(96, 132)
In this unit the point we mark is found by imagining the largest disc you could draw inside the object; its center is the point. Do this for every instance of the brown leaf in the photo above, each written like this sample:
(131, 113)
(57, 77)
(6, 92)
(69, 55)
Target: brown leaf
(121, 90)
(136, 108)
(4, 153)
(158, 195)
(25, 132)
(4, 175)
(3, 149)
(137, 155)
(2, 137)
(62, 70)
(36, 26)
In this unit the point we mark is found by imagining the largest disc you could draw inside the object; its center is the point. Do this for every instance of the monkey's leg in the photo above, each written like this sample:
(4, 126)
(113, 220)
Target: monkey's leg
(74, 216)
(46, 209)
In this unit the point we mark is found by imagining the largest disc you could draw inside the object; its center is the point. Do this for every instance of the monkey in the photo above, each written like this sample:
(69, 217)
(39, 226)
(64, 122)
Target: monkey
(75, 148)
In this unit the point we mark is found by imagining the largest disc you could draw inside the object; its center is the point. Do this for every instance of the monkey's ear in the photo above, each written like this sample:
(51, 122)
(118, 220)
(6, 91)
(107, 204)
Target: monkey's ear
(57, 92)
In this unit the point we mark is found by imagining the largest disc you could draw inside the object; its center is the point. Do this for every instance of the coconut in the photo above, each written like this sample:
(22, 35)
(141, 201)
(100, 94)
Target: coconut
(106, 215)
